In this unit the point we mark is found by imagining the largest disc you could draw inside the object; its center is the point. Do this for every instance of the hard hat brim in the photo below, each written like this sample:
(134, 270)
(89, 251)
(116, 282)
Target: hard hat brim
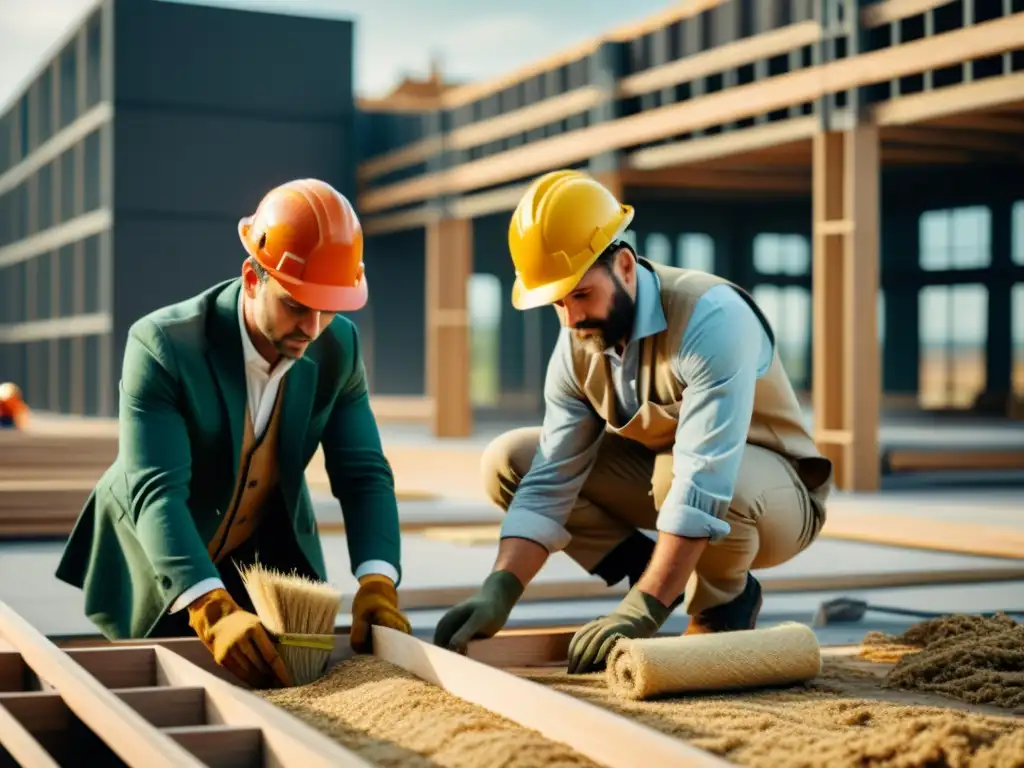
(549, 293)
(326, 298)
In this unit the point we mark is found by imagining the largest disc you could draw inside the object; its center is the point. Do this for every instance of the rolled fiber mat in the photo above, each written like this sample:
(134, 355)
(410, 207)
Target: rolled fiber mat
(392, 718)
(640, 669)
(951, 699)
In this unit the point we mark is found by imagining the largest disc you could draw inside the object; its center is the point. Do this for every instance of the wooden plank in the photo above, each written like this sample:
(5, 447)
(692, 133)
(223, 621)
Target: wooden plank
(126, 732)
(449, 255)
(12, 670)
(225, 746)
(609, 739)
(877, 14)
(847, 379)
(431, 598)
(922, 533)
(723, 144)
(287, 741)
(117, 667)
(21, 744)
(721, 58)
(167, 707)
(979, 40)
(938, 459)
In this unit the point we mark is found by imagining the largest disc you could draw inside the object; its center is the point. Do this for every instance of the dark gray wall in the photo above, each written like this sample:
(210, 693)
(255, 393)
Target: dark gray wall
(258, 99)
(395, 314)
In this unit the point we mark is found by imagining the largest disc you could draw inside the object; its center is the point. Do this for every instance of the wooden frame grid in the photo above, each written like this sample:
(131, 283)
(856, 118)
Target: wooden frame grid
(165, 702)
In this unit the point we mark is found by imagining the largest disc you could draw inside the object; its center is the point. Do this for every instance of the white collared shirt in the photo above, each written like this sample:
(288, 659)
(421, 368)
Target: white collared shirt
(261, 386)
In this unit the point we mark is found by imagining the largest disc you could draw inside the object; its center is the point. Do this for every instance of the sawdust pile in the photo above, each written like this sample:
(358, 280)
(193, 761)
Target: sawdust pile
(392, 718)
(975, 659)
(843, 719)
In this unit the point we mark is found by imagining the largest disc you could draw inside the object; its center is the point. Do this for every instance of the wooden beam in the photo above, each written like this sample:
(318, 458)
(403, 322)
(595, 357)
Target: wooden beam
(847, 381)
(286, 739)
(939, 459)
(127, 733)
(449, 266)
(985, 39)
(894, 10)
(20, 744)
(730, 179)
(720, 58)
(724, 144)
(950, 138)
(979, 121)
(410, 154)
(467, 94)
(607, 738)
(954, 100)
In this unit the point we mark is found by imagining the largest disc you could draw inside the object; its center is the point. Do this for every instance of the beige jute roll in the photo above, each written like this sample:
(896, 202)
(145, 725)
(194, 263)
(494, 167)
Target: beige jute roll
(780, 655)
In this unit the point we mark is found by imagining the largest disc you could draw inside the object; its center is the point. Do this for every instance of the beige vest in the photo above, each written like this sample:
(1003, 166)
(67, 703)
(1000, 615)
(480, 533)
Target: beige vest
(777, 421)
(257, 478)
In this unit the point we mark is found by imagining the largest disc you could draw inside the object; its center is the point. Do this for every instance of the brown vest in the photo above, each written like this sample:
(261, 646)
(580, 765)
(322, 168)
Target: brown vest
(257, 478)
(776, 423)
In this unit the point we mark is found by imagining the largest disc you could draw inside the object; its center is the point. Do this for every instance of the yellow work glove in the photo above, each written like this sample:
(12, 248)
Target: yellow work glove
(237, 640)
(375, 604)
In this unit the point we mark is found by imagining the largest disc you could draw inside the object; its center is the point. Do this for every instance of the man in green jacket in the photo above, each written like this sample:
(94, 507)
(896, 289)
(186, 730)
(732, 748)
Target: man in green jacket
(224, 398)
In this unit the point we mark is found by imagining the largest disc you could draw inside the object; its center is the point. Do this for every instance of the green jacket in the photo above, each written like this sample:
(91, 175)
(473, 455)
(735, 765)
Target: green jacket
(140, 540)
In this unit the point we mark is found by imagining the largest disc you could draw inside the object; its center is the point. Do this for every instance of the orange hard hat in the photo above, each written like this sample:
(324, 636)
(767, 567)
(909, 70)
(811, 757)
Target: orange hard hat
(307, 235)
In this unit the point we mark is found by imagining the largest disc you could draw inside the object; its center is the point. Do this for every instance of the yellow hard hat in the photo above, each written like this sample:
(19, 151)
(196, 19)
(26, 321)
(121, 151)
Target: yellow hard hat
(564, 221)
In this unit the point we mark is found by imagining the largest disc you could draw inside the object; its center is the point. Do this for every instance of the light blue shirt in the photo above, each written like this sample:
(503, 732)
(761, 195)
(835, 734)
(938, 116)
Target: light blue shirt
(724, 351)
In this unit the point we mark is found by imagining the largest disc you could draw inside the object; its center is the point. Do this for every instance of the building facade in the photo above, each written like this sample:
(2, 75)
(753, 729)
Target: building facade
(127, 161)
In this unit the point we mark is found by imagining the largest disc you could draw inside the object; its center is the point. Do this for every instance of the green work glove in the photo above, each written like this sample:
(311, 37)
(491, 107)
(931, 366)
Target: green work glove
(638, 615)
(482, 615)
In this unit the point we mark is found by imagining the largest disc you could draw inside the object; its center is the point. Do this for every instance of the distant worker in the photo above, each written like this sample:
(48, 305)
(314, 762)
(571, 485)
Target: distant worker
(225, 397)
(666, 409)
(13, 410)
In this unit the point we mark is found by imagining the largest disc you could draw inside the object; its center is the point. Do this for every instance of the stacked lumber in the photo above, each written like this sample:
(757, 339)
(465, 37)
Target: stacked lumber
(46, 476)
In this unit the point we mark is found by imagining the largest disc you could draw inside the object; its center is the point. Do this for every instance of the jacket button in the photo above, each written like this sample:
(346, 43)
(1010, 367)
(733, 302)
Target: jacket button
(253, 483)
(165, 582)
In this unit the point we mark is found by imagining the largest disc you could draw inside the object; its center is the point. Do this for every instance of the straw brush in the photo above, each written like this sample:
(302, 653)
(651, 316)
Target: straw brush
(299, 613)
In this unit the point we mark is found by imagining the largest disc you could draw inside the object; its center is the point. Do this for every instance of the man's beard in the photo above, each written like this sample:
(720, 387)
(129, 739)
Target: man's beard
(613, 329)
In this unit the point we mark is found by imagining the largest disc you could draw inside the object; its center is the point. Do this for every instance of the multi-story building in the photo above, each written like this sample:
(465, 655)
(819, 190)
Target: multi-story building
(126, 162)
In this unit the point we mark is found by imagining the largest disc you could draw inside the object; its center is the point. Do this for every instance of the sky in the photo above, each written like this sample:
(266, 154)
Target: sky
(475, 39)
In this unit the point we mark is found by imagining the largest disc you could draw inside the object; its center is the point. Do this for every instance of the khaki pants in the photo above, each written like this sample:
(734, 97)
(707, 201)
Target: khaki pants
(772, 516)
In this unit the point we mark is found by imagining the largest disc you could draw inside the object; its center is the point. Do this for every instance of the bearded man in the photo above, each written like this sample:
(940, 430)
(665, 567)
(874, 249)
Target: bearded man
(225, 397)
(666, 409)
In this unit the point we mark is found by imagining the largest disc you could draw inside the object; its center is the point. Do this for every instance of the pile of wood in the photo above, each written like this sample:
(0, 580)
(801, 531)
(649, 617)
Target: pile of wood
(46, 477)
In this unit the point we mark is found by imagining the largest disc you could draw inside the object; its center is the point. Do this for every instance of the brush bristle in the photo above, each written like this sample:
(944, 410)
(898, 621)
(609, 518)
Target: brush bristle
(293, 604)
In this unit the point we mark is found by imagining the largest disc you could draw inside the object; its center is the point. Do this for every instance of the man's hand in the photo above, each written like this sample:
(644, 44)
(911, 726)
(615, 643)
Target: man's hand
(482, 615)
(237, 640)
(638, 615)
(375, 604)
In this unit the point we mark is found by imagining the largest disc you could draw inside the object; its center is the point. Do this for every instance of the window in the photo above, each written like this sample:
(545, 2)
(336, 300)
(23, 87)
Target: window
(658, 249)
(953, 322)
(1017, 302)
(788, 309)
(1017, 255)
(957, 238)
(782, 254)
(485, 300)
(696, 251)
